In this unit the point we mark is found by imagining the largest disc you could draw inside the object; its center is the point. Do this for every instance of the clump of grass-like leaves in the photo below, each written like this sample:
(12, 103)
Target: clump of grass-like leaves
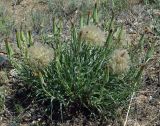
(93, 68)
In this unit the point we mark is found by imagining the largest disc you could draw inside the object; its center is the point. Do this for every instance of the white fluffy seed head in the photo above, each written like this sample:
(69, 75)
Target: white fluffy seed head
(40, 56)
(120, 61)
(93, 35)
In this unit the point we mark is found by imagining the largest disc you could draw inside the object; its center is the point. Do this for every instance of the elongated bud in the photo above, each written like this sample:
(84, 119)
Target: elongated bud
(26, 53)
(22, 36)
(19, 44)
(89, 17)
(141, 42)
(8, 49)
(111, 22)
(107, 74)
(80, 36)
(54, 25)
(81, 20)
(60, 27)
(73, 32)
(120, 34)
(30, 39)
(95, 13)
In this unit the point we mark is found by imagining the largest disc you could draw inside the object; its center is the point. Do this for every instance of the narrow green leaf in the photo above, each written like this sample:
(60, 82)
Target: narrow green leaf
(54, 26)
(95, 14)
(109, 39)
(89, 17)
(141, 42)
(81, 21)
(19, 44)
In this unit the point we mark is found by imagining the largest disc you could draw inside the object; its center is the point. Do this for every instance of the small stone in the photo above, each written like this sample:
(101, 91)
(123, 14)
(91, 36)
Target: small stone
(150, 98)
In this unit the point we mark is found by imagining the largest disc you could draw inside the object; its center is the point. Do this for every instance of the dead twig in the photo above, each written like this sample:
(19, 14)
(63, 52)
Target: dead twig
(129, 107)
